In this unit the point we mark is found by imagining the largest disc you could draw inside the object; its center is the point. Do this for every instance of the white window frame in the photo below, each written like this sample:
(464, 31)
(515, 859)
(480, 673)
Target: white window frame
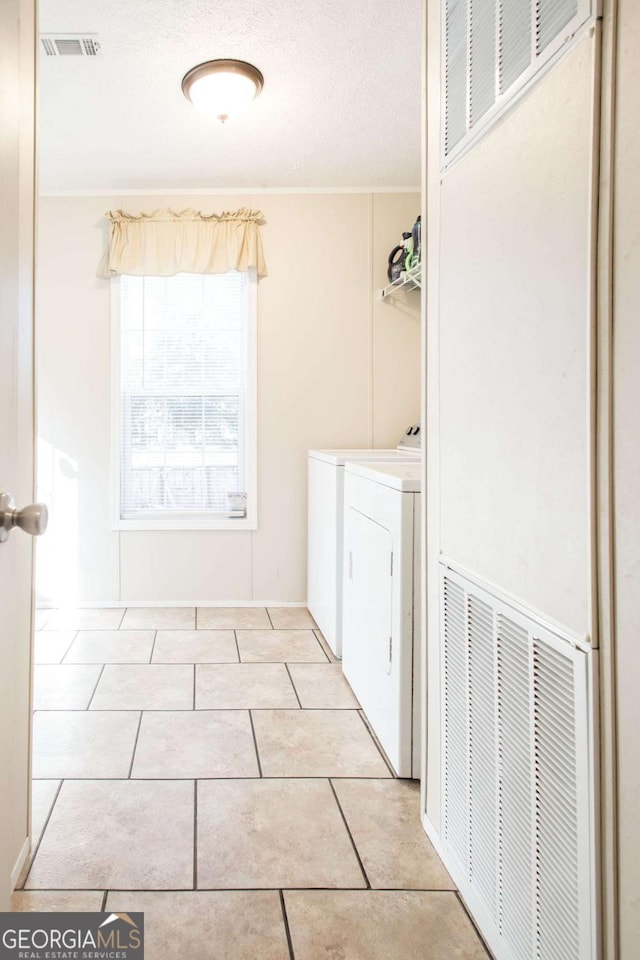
(189, 521)
(588, 11)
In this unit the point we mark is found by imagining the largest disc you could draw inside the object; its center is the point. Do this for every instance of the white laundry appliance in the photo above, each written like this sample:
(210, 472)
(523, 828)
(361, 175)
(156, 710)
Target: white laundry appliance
(325, 527)
(381, 604)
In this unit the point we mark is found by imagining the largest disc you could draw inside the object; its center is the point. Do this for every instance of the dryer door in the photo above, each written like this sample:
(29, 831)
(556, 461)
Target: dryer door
(371, 585)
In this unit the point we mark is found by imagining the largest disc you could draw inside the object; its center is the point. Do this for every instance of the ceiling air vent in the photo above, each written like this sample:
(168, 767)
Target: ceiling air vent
(66, 45)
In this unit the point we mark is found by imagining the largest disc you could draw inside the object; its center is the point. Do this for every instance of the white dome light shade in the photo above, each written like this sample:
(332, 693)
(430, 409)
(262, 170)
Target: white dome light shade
(221, 88)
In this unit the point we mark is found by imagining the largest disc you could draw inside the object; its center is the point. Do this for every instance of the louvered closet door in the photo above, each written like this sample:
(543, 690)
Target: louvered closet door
(517, 819)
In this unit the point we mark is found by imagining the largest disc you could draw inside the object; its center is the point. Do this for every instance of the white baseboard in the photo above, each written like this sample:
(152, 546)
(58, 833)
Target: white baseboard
(434, 836)
(120, 604)
(20, 862)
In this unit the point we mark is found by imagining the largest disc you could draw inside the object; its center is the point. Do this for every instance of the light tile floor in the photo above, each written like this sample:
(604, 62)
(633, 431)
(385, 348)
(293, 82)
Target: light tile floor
(212, 768)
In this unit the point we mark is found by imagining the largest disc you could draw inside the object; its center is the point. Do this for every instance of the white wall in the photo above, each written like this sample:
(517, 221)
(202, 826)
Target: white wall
(626, 468)
(336, 368)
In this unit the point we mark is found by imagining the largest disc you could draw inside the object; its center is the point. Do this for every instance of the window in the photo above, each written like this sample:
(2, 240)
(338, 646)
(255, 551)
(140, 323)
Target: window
(491, 50)
(184, 377)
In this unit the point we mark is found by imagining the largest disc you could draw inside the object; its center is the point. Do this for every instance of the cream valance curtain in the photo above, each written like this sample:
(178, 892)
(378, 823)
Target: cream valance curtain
(167, 242)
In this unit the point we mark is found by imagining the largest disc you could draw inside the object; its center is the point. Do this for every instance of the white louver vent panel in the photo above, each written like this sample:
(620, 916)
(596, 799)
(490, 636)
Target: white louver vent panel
(57, 45)
(455, 720)
(557, 803)
(482, 58)
(515, 779)
(517, 817)
(491, 49)
(483, 826)
(455, 71)
(552, 16)
(515, 40)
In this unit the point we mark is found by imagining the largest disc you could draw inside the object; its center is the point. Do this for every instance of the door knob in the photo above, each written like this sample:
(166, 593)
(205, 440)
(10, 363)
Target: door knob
(32, 519)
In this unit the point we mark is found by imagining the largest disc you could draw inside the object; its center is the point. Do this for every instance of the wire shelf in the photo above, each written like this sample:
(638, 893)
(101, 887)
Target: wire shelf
(411, 279)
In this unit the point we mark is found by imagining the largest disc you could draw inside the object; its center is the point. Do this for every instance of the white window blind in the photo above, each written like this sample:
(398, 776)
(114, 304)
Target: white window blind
(183, 395)
(491, 49)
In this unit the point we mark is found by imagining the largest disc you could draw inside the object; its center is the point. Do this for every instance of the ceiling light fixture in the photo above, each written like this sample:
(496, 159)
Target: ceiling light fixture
(219, 88)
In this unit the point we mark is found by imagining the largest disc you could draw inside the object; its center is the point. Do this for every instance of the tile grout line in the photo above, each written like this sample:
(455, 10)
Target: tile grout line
(235, 637)
(324, 652)
(185, 778)
(153, 647)
(134, 709)
(104, 901)
(285, 920)
(88, 707)
(163, 663)
(135, 746)
(270, 620)
(195, 834)
(326, 649)
(40, 838)
(124, 613)
(293, 685)
(50, 617)
(471, 920)
(178, 663)
(353, 843)
(255, 743)
(244, 890)
(73, 640)
(194, 686)
(46, 633)
(360, 713)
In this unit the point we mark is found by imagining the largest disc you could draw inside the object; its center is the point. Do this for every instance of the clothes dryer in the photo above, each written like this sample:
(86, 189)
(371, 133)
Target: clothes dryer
(381, 603)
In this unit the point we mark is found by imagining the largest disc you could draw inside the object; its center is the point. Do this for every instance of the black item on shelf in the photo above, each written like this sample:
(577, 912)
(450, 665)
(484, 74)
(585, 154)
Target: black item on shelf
(397, 259)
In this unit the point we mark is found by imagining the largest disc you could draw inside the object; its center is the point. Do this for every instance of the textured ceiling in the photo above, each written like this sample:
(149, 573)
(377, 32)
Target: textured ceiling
(340, 106)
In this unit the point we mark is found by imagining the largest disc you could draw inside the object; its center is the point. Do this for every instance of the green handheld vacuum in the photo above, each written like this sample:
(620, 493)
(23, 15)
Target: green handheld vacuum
(406, 255)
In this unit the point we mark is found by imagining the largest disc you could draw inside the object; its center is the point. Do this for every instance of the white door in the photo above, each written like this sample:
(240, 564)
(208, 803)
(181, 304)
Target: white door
(17, 190)
(370, 587)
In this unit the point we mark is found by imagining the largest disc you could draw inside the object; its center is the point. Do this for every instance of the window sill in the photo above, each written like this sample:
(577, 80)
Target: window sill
(177, 524)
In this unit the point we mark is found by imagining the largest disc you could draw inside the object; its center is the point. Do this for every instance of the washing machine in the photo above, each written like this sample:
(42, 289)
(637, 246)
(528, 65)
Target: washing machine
(381, 604)
(325, 527)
